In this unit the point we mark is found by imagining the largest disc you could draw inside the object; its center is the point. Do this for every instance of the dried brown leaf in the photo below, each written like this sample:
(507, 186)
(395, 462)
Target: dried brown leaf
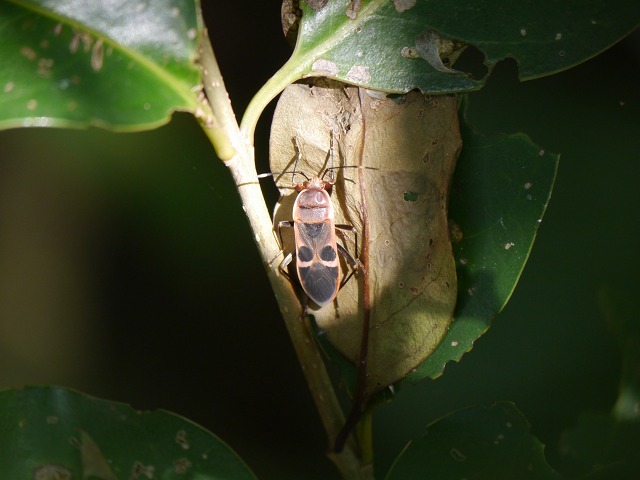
(409, 145)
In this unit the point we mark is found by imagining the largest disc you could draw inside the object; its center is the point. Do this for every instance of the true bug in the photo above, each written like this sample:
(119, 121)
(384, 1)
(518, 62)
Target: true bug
(316, 245)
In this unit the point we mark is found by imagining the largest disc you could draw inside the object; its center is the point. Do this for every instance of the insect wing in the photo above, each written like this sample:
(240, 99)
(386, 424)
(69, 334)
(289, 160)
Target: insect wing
(317, 260)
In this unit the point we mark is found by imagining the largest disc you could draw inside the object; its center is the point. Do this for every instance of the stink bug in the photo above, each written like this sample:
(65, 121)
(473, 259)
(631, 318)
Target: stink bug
(316, 245)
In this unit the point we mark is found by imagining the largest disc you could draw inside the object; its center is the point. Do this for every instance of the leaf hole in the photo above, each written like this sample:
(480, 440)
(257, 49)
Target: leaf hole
(472, 62)
(410, 196)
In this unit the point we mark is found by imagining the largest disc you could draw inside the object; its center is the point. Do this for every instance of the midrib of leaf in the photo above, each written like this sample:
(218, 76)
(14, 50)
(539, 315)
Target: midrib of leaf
(153, 67)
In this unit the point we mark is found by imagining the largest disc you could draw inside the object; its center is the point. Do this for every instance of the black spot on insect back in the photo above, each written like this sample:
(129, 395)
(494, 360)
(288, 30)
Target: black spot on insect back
(320, 282)
(328, 253)
(305, 254)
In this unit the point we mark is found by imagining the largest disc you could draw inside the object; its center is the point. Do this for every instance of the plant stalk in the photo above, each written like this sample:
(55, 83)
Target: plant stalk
(241, 164)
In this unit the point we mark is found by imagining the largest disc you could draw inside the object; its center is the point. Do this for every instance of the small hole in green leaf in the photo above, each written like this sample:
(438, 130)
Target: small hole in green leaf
(471, 61)
(410, 196)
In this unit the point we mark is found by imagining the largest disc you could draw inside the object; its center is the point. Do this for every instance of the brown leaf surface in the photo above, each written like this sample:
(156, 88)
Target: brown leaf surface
(412, 142)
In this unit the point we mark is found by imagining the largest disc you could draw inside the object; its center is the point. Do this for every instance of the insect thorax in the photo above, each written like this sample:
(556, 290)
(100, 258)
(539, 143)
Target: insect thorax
(313, 206)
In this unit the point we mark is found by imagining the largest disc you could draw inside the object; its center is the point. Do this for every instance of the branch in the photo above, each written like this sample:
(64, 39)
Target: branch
(236, 149)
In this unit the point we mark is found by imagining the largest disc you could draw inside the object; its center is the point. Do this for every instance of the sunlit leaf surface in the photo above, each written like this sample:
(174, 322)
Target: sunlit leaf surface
(119, 65)
(409, 147)
(404, 44)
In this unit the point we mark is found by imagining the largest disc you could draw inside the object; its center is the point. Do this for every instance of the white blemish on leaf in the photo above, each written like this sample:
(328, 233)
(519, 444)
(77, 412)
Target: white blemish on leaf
(139, 469)
(181, 439)
(57, 29)
(472, 291)
(409, 52)
(8, 87)
(324, 66)
(181, 465)
(80, 37)
(454, 344)
(146, 106)
(403, 5)
(97, 55)
(508, 245)
(558, 36)
(353, 9)
(358, 74)
(528, 185)
(32, 104)
(523, 32)
(192, 33)
(541, 153)
(428, 45)
(44, 67)
(28, 52)
(51, 471)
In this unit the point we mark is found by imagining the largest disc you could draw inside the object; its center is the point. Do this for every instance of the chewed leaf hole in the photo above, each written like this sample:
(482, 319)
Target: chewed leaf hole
(472, 62)
(410, 196)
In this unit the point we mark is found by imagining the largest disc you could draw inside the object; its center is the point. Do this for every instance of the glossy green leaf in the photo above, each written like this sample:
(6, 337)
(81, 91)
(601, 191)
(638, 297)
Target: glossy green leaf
(118, 65)
(395, 45)
(501, 188)
(475, 444)
(55, 433)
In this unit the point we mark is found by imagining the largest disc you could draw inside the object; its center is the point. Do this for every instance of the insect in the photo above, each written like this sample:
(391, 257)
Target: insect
(316, 246)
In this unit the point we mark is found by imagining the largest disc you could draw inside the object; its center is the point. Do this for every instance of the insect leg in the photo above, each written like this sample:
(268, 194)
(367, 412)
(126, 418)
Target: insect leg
(288, 258)
(353, 230)
(354, 265)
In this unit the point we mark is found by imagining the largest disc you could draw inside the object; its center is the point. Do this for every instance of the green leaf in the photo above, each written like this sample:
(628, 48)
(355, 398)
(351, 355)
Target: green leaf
(386, 44)
(117, 65)
(476, 444)
(400, 45)
(501, 188)
(52, 432)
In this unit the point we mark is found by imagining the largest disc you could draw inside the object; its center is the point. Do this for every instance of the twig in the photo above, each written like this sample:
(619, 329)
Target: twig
(242, 167)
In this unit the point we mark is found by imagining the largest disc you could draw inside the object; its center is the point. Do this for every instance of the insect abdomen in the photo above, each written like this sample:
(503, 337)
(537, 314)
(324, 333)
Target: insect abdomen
(317, 260)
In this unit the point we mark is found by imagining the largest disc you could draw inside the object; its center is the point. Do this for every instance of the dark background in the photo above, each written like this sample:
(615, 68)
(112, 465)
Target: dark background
(128, 271)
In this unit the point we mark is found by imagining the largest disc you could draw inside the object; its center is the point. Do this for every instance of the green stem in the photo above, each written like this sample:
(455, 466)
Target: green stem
(237, 151)
(289, 73)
